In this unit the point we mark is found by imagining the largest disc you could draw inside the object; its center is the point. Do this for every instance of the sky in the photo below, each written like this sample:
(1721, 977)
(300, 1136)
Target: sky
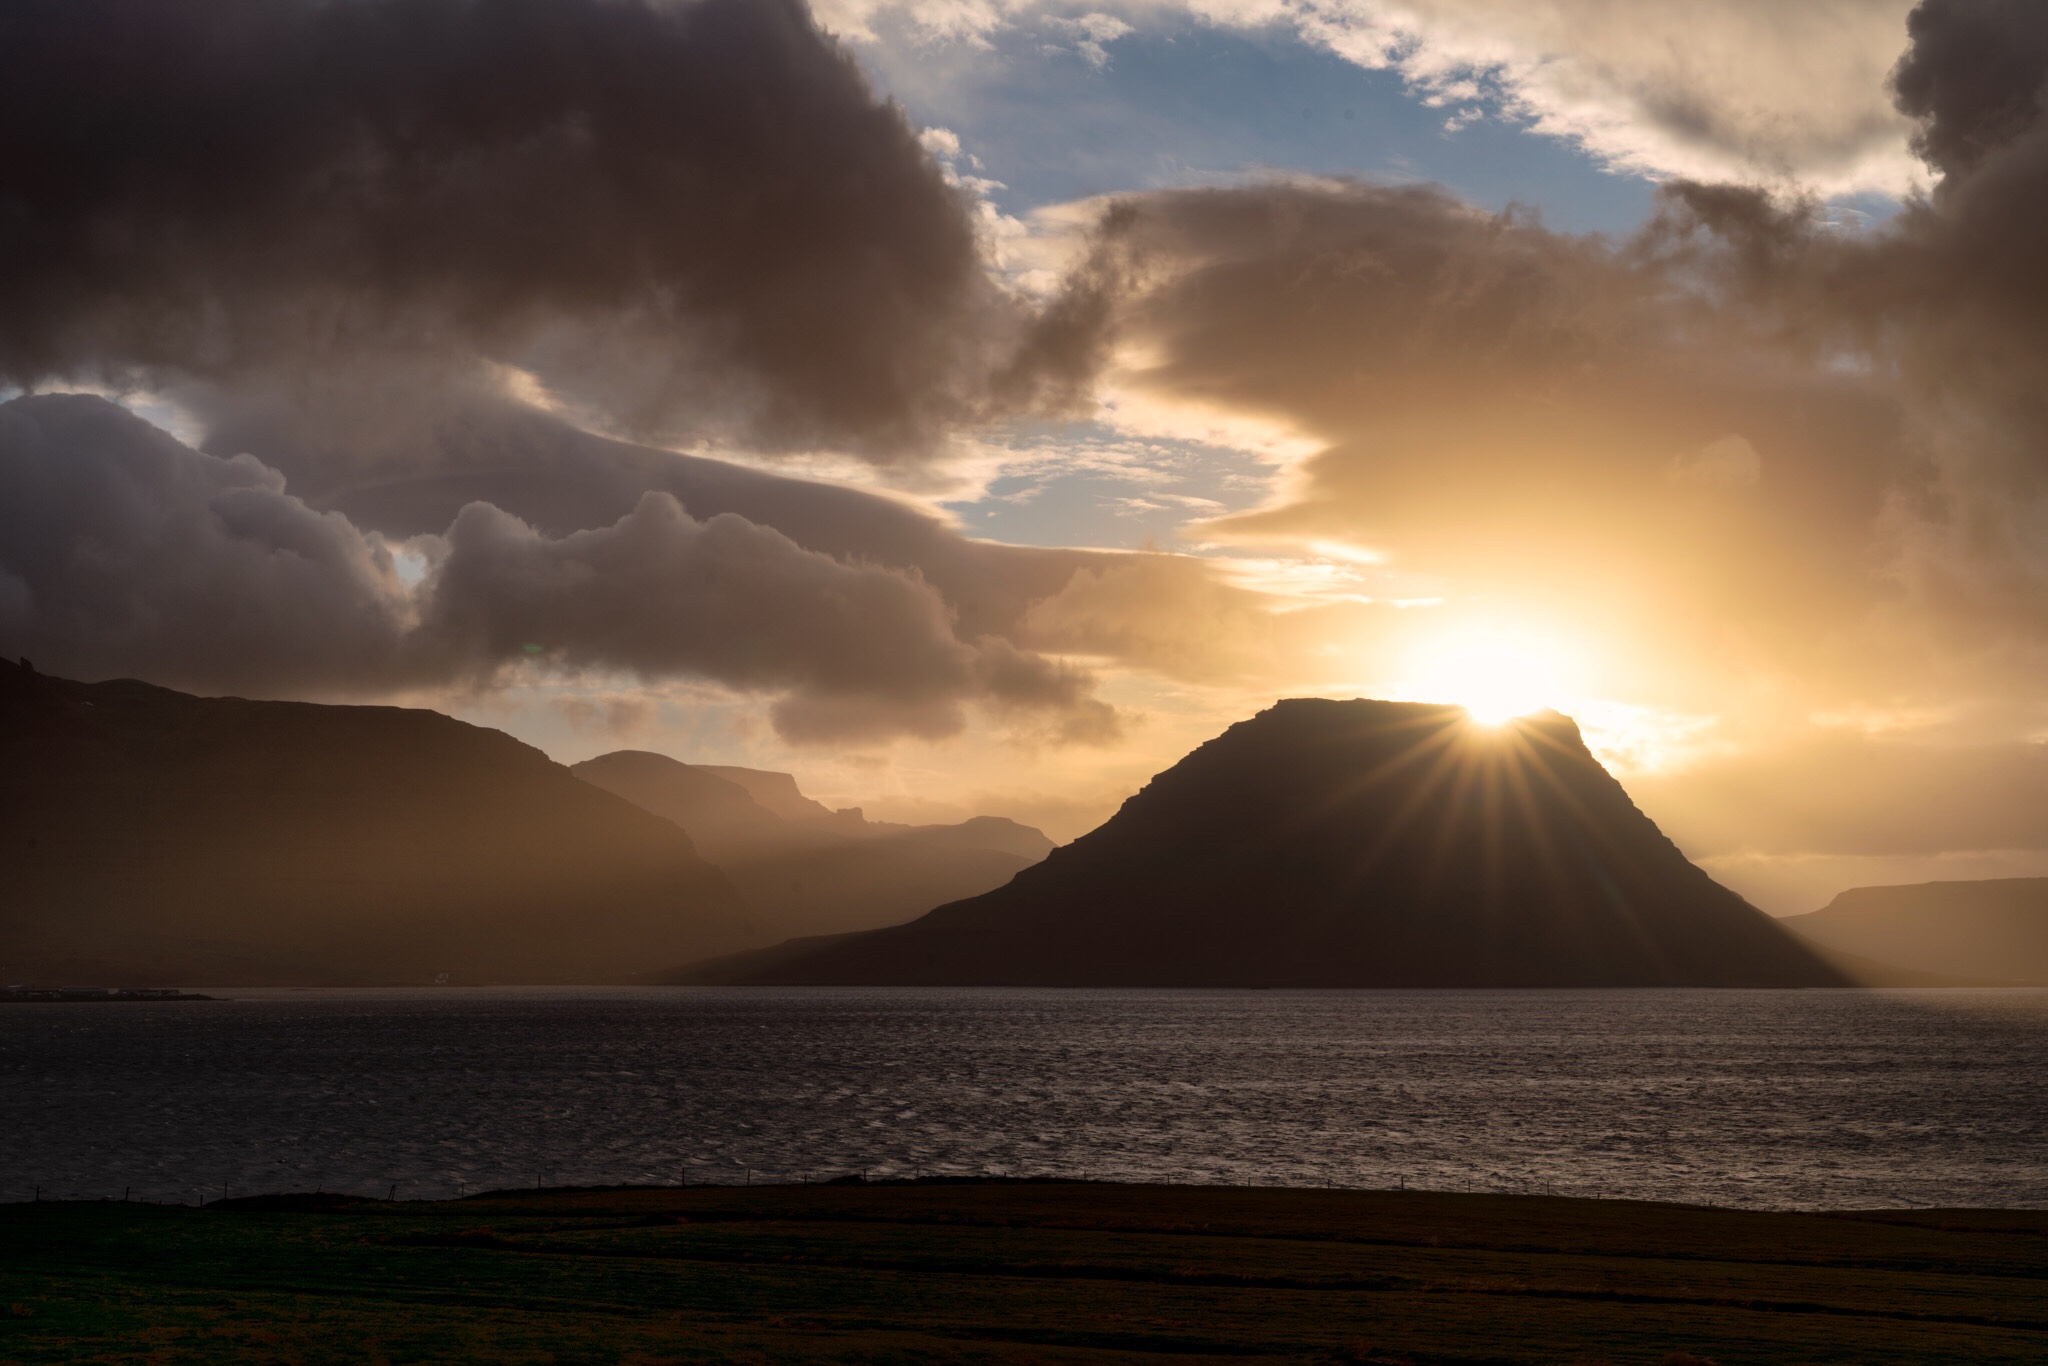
(970, 406)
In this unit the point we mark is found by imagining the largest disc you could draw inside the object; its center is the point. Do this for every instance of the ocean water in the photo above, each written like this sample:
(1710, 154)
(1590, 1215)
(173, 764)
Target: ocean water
(1815, 1099)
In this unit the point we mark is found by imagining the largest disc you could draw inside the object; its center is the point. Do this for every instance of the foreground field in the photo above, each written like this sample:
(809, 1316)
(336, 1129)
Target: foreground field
(1016, 1272)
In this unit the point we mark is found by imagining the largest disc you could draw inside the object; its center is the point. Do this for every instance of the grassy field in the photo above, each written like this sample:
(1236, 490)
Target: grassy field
(1016, 1272)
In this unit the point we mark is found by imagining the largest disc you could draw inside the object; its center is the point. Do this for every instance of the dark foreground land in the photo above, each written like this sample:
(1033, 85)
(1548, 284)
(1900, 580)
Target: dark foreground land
(1016, 1272)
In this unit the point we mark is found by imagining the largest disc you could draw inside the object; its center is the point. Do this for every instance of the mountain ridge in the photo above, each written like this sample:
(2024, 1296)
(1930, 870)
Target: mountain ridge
(1359, 843)
(153, 836)
(805, 873)
(1986, 930)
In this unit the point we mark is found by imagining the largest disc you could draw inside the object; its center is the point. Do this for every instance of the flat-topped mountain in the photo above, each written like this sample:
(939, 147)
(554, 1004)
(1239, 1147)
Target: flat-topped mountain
(804, 868)
(148, 836)
(1344, 844)
(1995, 929)
(776, 792)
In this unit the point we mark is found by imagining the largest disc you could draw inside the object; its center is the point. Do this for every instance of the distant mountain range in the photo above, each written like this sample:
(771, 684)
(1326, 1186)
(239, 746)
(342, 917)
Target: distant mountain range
(151, 837)
(1994, 930)
(805, 869)
(1343, 844)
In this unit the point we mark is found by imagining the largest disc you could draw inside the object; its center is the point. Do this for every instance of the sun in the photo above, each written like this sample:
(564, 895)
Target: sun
(1495, 674)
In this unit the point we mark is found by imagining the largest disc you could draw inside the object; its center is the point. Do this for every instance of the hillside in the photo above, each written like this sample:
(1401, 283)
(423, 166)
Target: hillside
(1360, 843)
(1990, 930)
(153, 837)
(808, 870)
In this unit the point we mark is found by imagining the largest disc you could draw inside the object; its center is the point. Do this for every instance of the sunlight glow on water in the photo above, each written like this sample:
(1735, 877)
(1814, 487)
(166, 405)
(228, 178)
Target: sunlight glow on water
(1769, 1099)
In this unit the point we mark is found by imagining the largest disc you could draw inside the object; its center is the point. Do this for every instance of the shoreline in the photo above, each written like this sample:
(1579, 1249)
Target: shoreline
(39, 998)
(323, 1201)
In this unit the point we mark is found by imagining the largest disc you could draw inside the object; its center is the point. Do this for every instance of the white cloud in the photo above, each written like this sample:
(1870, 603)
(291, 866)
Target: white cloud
(1728, 89)
(1090, 32)
(942, 143)
(1751, 90)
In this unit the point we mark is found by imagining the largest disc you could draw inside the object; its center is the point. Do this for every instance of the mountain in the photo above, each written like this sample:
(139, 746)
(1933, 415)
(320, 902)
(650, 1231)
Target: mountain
(807, 869)
(720, 816)
(777, 792)
(1343, 844)
(149, 836)
(1993, 930)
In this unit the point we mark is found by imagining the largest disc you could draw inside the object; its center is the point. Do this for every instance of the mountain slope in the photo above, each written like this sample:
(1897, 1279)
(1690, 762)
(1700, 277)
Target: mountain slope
(1345, 844)
(1992, 930)
(720, 816)
(806, 873)
(151, 836)
(777, 792)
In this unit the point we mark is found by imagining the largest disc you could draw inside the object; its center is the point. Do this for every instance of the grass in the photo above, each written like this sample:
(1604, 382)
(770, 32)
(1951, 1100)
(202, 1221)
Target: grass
(1014, 1272)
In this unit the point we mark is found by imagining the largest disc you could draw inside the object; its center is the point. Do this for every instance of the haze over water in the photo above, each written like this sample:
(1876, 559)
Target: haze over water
(1763, 1099)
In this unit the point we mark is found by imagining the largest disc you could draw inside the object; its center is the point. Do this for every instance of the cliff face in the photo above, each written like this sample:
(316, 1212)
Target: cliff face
(151, 836)
(1995, 929)
(804, 868)
(1328, 843)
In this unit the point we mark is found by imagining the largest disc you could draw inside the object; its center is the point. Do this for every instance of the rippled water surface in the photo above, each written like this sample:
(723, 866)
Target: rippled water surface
(1787, 1099)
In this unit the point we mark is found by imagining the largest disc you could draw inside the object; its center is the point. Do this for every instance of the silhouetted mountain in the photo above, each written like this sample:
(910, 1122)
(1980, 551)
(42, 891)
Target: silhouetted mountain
(804, 868)
(720, 816)
(149, 836)
(1993, 930)
(776, 791)
(1343, 844)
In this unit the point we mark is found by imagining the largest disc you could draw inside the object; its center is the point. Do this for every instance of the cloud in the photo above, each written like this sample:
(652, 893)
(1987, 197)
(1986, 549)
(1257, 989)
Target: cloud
(412, 477)
(1168, 614)
(1500, 405)
(1090, 32)
(855, 651)
(1973, 79)
(1862, 796)
(1726, 462)
(1708, 89)
(693, 219)
(1727, 90)
(1768, 466)
(122, 551)
(133, 555)
(1951, 304)
(1858, 499)
(390, 257)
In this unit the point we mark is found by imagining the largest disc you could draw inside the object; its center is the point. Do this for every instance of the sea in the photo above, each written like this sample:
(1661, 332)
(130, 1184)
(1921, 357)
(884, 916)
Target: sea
(1760, 1099)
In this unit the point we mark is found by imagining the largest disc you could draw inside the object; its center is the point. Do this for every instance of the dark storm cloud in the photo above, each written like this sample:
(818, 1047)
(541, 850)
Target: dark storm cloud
(414, 479)
(1973, 78)
(1956, 279)
(323, 224)
(694, 216)
(858, 650)
(326, 227)
(124, 552)
(1946, 309)
(1962, 299)
(1970, 258)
